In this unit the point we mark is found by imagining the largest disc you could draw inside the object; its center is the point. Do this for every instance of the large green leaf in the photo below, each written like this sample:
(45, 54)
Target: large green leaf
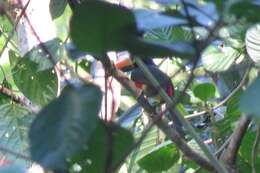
(249, 100)
(245, 150)
(98, 27)
(39, 86)
(219, 59)
(204, 91)
(57, 7)
(46, 54)
(65, 125)
(14, 124)
(160, 159)
(106, 141)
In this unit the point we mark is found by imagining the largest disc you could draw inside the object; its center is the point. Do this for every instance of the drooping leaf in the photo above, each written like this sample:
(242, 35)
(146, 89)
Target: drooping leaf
(57, 7)
(219, 59)
(39, 86)
(47, 54)
(204, 91)
(104, 140)
(107, 27)
(246, 147)
(249, 99)
(14, 124)
(65, 125)
(62, 24)
(160, 159)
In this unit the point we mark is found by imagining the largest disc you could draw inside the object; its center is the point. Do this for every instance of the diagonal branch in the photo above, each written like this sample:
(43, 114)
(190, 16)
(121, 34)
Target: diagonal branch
(162, 124)
(230, 154)
(19, 99)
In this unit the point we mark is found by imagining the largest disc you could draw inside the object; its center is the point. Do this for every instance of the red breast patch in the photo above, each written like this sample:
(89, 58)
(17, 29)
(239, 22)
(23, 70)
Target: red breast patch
(139, 85)
(170, 91)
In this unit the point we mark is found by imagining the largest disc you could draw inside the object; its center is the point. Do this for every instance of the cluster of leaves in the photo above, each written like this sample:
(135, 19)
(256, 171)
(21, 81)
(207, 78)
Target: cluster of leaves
(67, 133)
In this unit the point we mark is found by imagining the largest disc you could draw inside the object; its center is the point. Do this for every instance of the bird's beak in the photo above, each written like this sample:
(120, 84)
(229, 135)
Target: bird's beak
(127, 62)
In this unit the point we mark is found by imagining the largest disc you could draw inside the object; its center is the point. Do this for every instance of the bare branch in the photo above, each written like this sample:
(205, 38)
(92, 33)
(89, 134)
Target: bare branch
(19, 99)
(230, 154)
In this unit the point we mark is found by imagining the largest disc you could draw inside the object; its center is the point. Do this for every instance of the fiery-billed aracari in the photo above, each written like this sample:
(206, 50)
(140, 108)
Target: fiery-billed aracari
(141, 82)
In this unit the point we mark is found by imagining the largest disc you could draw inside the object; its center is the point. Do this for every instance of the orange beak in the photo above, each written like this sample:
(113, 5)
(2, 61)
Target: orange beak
(124, 63)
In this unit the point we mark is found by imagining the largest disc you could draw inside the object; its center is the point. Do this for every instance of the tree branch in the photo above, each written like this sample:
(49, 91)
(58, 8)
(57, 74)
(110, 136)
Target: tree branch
(19, 99)
(162, 124)
(230, 154)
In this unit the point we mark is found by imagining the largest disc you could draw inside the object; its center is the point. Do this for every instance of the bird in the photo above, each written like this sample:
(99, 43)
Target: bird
(141, 82)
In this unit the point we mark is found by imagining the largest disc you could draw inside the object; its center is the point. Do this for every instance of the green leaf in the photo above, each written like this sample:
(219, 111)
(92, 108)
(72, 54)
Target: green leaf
(97, 27)
(245, 150)
(169, 34)
(150, 142)
(160, 159)
(252, 14)
(232, 115)
(14, 124)
(65, 125)
(57, 8)
(249, 100)
(39, 86)
(47, 54)
(104, 139)
(204, 91)
(219, 59)
(233, 105)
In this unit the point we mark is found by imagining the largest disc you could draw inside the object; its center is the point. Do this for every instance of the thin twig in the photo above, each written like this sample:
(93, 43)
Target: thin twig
(19, 99)
(226, 99)
(11, 34)
(223, 146)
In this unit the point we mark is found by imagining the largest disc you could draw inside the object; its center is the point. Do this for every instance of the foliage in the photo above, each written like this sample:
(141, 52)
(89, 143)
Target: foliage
(206, 47)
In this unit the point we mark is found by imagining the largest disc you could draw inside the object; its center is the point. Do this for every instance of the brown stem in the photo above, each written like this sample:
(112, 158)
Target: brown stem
(18, 99)
(230, 154)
